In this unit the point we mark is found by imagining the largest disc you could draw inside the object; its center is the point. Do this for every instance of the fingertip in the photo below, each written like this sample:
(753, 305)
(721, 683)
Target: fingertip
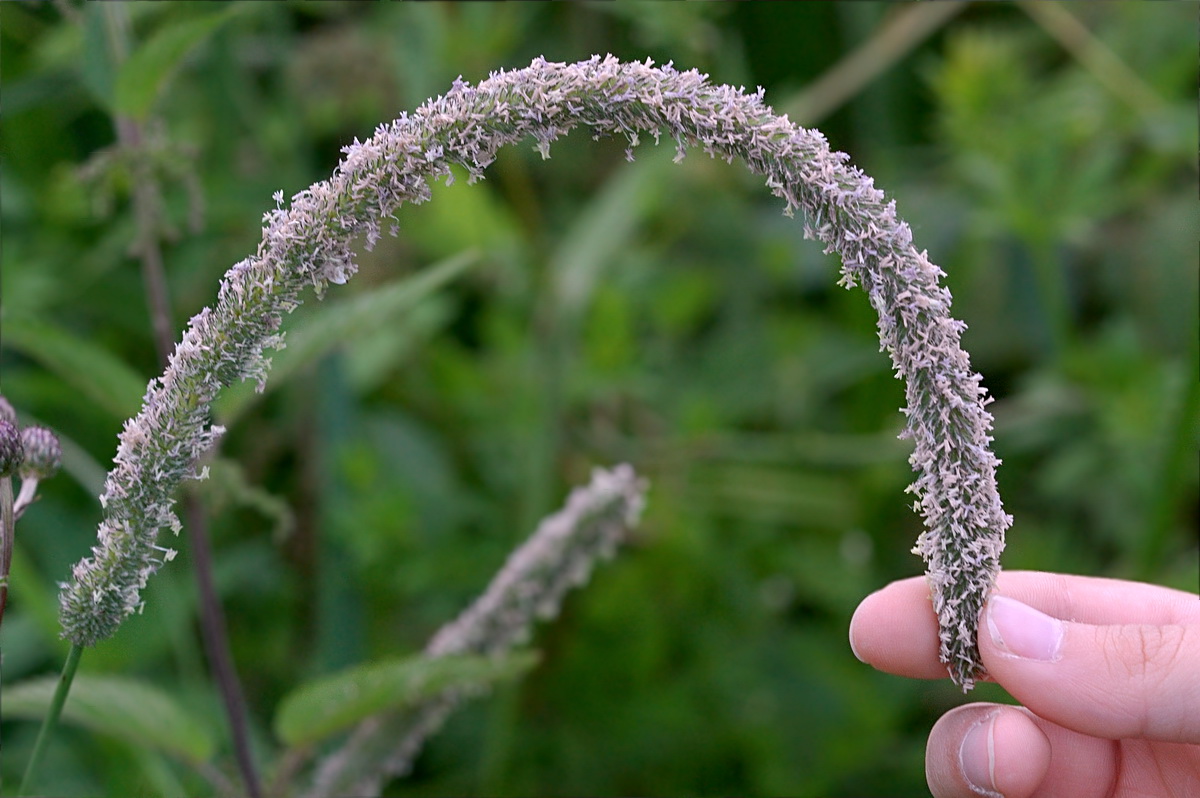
(987, 749)
(895, 630)
(862, 610)
(1020, 754)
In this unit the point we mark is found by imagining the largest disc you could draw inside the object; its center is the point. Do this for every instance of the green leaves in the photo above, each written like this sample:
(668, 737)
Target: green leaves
(136, 712)
(336, 703)
(141, 78)
(90, 369)
(334, 323)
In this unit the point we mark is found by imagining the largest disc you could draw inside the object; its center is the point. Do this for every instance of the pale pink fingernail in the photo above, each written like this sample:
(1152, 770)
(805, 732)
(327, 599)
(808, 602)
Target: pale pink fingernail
(1023, 631)
(977, 756)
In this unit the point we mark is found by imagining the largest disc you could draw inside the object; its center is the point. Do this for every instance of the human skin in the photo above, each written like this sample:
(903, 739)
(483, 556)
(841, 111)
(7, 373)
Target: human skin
(1107, 671)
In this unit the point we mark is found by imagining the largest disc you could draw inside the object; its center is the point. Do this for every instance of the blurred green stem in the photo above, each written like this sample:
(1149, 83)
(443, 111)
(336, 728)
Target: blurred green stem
(1052, 291)
(52, 715)
(1097, 57)
(897, 38)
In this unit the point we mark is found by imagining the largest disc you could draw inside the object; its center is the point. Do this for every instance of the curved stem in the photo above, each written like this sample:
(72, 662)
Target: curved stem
(52, 715)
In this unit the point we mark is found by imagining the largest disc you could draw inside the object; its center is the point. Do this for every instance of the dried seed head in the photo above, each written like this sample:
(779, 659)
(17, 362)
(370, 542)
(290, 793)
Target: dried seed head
(43, 453)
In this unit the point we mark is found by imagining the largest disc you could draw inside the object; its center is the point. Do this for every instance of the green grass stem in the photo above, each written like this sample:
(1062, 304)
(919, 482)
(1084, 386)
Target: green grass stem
(52, 714)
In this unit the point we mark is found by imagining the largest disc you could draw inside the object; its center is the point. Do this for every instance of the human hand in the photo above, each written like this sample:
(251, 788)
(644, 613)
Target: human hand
(1111, 693)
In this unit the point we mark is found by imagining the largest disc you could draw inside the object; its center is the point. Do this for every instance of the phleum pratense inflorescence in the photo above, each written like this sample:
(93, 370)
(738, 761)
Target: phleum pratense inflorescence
(559, 555)
(308, 242)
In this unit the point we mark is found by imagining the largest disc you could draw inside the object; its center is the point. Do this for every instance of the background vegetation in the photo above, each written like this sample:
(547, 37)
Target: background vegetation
(587, 311)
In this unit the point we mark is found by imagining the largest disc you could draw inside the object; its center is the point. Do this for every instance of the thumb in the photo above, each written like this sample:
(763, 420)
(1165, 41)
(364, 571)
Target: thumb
(1114, 682)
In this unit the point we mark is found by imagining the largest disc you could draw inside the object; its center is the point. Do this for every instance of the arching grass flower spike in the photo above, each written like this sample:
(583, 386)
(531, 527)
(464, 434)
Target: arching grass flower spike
(308, 243)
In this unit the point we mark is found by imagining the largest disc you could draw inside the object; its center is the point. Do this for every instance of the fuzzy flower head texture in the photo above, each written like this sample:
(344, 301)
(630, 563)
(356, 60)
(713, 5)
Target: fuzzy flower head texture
(12, 454)
(308, 242)
(43, 453)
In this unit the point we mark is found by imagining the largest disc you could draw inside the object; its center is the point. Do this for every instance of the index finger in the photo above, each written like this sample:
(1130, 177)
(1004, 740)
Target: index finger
(895, 629)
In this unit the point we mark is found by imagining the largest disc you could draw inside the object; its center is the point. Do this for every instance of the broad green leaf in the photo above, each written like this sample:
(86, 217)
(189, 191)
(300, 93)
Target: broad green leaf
(97, 71)
(141, 78)
(335, 703)
(95, 372)
(134, 711)
(333, 323)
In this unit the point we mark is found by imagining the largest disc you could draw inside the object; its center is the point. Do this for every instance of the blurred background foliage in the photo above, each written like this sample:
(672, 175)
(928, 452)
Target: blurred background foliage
(583, 311)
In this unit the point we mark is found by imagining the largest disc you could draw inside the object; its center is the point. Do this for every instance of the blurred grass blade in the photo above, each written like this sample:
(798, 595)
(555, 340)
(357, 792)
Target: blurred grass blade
(134, 711)
(141, 78)
(338, 702)
(606, 224)
(333, 323)
(95, 372)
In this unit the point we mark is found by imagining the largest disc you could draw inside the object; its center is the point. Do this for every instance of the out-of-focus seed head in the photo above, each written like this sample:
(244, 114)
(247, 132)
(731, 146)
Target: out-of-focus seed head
(43, 453)
(11, 451)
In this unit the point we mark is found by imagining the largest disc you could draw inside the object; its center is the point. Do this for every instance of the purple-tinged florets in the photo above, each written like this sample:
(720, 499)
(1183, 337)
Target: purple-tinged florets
(308, 243)
(11, 451)
(43, 453)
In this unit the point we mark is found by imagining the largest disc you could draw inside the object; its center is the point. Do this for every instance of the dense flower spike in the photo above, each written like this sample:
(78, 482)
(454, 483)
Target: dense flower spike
(557, 557)
(309, 243)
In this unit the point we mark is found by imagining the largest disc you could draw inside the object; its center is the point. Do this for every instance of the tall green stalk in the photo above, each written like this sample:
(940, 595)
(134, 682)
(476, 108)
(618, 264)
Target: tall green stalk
(52, 715)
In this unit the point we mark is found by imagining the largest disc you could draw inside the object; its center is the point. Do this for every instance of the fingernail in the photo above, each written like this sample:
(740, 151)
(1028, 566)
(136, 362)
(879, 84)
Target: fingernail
(853, 620)
(1023, 631)
(977, 756)
(853, 647)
